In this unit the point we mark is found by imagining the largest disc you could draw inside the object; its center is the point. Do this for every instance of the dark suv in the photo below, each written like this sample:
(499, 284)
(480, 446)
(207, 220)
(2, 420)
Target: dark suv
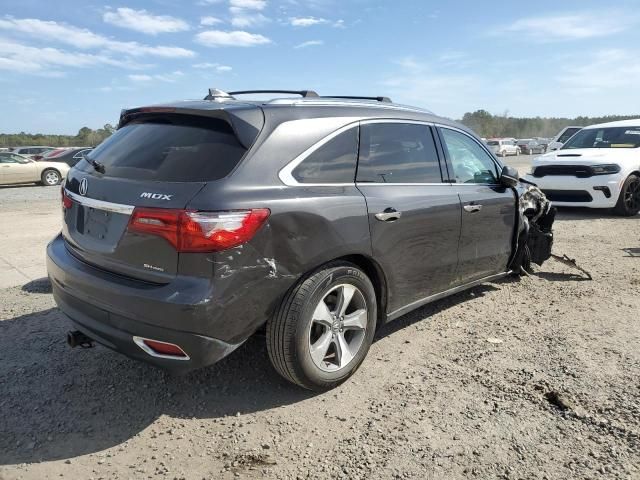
(199, 223)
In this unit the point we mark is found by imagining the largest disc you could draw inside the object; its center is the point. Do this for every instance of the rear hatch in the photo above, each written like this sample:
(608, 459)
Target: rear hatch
(160, 159)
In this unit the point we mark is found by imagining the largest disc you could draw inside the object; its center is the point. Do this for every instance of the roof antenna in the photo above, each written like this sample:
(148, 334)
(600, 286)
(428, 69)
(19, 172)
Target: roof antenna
(217, 93)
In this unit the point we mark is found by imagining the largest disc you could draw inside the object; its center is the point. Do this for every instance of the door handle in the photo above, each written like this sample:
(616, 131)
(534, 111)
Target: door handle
(472, 208)
(389, 215)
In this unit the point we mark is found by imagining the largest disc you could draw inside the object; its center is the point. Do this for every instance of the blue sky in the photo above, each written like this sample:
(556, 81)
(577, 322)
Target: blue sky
(67, 64)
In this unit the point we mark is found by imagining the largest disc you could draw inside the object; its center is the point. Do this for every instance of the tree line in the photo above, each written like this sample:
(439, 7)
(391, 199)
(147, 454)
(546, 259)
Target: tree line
(482, 122)
(86, 137)
(498, 126)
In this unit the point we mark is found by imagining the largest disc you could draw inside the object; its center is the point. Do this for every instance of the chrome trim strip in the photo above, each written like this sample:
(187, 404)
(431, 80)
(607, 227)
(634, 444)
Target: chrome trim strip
(100, 204)
(438, 296)
(140, 342)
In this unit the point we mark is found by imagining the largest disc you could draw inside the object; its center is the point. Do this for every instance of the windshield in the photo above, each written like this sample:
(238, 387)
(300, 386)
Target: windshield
(612, 137)
(493, 142)
(567, 134)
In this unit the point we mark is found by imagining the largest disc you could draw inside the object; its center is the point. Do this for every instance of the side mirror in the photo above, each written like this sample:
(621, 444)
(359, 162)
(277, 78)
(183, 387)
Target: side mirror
(509, 176)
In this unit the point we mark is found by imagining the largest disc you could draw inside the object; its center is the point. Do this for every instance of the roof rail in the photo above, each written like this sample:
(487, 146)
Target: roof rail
(302, 93)
(377, 99)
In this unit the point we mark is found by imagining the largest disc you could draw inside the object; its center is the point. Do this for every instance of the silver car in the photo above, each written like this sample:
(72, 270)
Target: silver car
(16, 168)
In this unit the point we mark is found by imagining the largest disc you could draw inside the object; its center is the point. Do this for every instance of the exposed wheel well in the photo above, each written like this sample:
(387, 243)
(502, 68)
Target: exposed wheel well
(377, 277)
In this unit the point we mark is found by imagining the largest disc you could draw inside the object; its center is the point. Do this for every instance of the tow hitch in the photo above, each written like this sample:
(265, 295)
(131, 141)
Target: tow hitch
(78, 339)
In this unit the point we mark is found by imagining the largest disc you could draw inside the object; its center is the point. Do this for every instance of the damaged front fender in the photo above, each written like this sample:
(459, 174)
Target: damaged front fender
(534, 239)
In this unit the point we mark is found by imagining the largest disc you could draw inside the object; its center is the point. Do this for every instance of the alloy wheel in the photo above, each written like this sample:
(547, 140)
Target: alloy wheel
(632, 195)
(52, 178)
(338, 326)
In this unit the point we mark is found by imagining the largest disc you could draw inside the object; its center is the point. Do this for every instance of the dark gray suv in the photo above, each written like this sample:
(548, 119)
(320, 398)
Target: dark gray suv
(199, 223)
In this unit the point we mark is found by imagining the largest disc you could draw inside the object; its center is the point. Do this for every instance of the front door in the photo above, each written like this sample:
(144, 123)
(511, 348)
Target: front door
(414, 217)
(488, 208)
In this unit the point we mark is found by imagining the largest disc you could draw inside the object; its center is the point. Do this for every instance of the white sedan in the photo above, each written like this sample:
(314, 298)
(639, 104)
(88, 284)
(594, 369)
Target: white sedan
(16, 168)
(599, 167)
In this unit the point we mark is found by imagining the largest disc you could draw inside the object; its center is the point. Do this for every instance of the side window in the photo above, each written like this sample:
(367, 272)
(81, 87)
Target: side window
(471, 164)
(333, 162)
(397, 153)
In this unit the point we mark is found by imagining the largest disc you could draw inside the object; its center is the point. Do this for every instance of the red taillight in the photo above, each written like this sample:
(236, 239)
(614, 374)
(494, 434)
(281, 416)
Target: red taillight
(66, 201)
(190, 231)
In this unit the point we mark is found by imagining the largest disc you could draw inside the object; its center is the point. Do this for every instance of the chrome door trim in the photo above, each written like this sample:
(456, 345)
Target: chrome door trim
(100, 204)
(432, 298)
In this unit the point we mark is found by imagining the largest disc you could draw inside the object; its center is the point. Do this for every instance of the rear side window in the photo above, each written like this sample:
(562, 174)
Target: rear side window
(397, 153)
(172, 148)
(333, 162)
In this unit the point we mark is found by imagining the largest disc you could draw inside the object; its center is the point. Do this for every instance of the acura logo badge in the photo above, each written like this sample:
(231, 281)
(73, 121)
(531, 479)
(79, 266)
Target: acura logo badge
(84, 184)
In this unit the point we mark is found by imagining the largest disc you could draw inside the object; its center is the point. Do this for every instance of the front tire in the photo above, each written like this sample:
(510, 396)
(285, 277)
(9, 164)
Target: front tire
(50, 178)
(629, 200)
(324, 327)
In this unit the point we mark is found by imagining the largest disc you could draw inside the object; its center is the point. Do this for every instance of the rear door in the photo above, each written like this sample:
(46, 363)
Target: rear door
(155, 161)
(414, 217)
(488, 208)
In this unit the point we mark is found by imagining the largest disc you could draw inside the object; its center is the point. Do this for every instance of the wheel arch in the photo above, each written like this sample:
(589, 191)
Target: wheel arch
(376, 274)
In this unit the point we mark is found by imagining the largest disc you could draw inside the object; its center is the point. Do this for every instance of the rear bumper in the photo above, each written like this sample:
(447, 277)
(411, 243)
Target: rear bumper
(568, 191)
(108, 308)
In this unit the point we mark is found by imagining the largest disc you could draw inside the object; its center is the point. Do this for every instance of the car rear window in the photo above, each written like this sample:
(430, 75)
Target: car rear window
(173, 148)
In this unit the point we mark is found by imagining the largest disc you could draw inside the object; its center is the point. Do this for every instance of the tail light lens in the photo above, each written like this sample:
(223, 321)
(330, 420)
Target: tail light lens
(66, 201)
(191, 231)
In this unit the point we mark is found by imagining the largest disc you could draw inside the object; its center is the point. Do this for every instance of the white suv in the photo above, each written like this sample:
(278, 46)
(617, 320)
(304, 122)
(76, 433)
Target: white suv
(599, 167)
(503, 146)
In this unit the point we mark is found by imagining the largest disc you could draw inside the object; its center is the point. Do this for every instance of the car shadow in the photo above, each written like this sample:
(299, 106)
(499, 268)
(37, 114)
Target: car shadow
(562, 277)
(59, 403)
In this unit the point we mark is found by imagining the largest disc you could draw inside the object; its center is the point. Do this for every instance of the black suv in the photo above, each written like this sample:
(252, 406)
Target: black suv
(199, 223)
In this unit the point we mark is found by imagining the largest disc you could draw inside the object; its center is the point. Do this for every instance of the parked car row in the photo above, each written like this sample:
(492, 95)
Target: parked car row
(503, 147)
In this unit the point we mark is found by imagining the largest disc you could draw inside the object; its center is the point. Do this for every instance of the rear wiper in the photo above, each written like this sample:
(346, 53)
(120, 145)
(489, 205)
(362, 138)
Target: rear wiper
(99, 167)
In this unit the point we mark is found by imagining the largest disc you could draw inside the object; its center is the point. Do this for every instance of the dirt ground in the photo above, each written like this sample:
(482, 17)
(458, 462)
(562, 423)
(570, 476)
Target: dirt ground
(530, 379)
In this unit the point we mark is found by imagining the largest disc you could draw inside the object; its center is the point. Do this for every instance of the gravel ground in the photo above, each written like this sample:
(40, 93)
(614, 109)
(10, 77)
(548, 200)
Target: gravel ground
(530, 379)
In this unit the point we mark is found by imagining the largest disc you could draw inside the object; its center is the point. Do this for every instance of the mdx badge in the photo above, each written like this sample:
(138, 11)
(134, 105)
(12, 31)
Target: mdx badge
(155, 196)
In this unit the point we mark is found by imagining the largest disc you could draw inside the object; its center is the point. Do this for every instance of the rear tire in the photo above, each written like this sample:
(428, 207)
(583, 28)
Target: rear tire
(307, 341)
(629, 200)
(50, 177)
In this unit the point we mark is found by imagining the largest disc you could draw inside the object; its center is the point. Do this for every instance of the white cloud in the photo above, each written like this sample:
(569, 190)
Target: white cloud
(242, 18)
(237, 38)
(420, 83)
(204, 3)
(310, 43)
(571, 26)
(213, 66)
(248, 4)
(606, 70)
(307, 21)
(143, 21)
(47, 61)
(208, 21)
(85, 39)
(162, 77)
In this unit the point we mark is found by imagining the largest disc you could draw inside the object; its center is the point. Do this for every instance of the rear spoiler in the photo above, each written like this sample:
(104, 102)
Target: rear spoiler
(246, 122)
